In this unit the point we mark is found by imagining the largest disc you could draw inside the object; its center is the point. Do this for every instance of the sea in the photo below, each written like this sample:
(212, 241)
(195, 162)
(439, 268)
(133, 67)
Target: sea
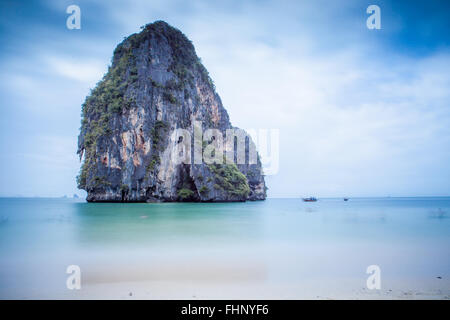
(278, 248)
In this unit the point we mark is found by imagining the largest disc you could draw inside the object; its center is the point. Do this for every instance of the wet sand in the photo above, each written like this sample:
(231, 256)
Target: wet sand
(245, 280)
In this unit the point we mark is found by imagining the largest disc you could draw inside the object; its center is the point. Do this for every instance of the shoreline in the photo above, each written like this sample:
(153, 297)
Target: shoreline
(162, 290)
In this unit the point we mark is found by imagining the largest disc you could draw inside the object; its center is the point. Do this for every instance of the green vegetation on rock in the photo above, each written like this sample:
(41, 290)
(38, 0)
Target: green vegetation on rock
(185, 193)
(157, 134)
(106, 99)
(170, 97)
(230, 179)
(203, 190)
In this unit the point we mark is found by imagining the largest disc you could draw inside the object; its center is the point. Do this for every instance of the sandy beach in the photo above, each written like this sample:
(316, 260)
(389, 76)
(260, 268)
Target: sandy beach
(190, 281)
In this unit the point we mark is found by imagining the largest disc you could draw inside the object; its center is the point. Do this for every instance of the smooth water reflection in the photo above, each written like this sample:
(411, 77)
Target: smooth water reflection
(276, 240)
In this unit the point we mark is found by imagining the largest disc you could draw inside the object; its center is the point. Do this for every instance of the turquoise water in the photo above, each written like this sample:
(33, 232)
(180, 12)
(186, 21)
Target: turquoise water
(281, 240)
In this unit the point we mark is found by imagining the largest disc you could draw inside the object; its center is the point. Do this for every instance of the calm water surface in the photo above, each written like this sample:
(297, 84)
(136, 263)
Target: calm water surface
(281, 240)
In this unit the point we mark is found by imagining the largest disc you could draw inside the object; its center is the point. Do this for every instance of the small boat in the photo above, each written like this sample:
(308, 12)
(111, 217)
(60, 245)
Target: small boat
(310, 199)
(345, 199)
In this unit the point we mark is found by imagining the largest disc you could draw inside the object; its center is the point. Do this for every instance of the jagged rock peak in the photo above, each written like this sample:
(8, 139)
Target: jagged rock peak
(155, 86)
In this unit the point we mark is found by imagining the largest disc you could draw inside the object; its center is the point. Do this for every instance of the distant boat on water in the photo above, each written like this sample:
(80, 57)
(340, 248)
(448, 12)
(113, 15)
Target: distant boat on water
(310, 199)
(345, 199)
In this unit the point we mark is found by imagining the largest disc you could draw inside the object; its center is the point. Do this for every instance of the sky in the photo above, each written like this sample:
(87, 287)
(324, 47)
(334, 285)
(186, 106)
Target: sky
(360, 112)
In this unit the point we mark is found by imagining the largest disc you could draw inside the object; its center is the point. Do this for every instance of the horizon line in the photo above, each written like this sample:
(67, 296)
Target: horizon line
(299, 197)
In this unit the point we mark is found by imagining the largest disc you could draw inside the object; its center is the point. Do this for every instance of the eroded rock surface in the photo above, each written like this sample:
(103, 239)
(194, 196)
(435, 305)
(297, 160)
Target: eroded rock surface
(156, 84)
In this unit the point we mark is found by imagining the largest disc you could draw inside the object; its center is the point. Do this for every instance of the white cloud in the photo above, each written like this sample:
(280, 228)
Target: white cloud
(355, 117)
(74, 69)
(54, 151)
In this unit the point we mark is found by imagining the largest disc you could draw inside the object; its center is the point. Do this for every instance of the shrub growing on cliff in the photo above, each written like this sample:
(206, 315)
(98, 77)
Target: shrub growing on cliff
(157, 133)
(203, 190)
(170, 97)
(101, 182)
(230, 179)
(152, 165)
(172, 84)
(185, 193)
(155, 83)
(82, 176)
(124, 188)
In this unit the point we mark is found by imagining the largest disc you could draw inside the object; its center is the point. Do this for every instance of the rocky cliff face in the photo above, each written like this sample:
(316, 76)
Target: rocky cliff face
(155, 85)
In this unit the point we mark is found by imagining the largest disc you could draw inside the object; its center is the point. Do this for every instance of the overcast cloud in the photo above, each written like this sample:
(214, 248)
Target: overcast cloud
(360, 112)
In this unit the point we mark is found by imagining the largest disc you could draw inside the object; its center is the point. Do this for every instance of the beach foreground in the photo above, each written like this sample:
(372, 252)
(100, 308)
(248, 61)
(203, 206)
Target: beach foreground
(277, 249)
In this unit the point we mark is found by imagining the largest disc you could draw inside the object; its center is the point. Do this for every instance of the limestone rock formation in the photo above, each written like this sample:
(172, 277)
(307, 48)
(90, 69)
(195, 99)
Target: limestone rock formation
(155, 85)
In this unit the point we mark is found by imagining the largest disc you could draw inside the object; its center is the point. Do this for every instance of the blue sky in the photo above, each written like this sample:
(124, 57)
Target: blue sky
(360, 112)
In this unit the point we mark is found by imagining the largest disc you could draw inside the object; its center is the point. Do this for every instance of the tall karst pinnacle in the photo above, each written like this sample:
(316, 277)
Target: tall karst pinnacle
(155, 86)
